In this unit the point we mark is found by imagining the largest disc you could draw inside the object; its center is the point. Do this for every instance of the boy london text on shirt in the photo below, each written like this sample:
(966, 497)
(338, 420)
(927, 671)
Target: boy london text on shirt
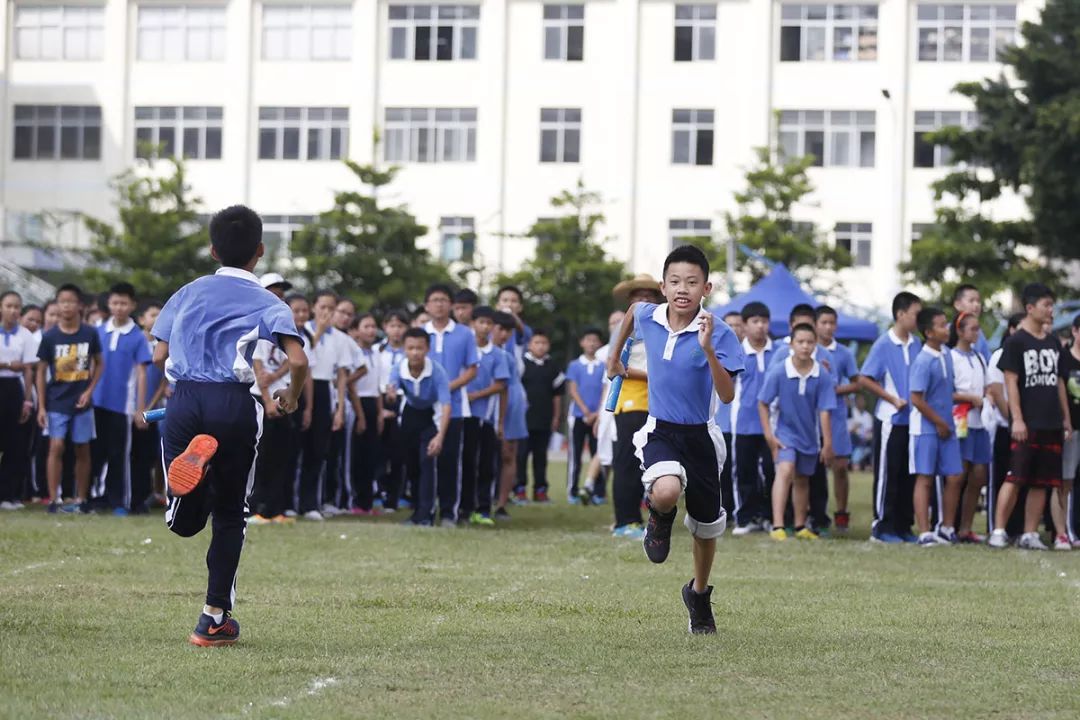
(932, 374)
(888, 364)
(1035, 362)
(680, 382)
(213, 324)
(801, 399)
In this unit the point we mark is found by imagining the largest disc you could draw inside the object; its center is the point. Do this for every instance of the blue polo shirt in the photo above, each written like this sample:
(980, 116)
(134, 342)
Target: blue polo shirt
(802, 398)
(680, 383)
(843, 368)
(588, 376)
(431, 388)
(123, 348)
(982, 347)
(153, 376)
(494, 365)
(213, 324)
(934, 376)
(888, 363)
(745, 419)
(455, 350)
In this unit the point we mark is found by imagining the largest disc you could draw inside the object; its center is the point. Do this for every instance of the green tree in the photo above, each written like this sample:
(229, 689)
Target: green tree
(567, 284)
(160, 244)
(364, 250)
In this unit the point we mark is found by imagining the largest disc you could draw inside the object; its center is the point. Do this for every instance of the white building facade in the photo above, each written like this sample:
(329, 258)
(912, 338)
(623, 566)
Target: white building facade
(491, 108)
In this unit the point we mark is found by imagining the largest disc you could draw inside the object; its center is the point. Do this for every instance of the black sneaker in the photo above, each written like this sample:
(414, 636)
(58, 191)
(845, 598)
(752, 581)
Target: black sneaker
(699, 605)
(657, 540)
(501, 514)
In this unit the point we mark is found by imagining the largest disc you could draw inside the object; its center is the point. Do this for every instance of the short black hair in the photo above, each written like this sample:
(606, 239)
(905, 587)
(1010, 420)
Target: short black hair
(419, 334)
(961, 289)
(803, 327)
(72, 288)
(802, 310)
(756, 309)
(30, 308)
(398, 314)
(342, 298)
(319, 294)
(122, 288)
(483, 311)
(592, 330)
(147, 304)
(235, 235)
(466, 296)
(505, 320)
(732, 313)
(690, 255)
(4, 295)
(290, 299)
(541, 332)
(361, 317)
(825, 310)
(1075, 322)
(439, 288)
(925, 318)
(1034, 292)
(903, 302)
(510, 288)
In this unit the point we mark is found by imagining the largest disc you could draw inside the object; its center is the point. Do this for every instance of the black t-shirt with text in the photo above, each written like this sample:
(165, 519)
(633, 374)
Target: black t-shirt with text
(1070, 371)
(1035, 362)
(68, 356)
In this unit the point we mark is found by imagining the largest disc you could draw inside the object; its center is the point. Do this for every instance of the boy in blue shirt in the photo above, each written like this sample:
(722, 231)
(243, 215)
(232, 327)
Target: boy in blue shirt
(844, 370)
(584, 386)
(807, 396)
(751, 461)
(934, 447)
(424, 419)
(207, 333)
(515, 429)
(692, 356)
(885, 373)
(70, 355)
(487, 399)
(118, 398)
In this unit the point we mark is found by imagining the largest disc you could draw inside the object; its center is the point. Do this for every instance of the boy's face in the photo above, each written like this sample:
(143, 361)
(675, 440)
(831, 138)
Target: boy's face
(539, 346)
(367, 330)
(509, 301)
(803, 344)
(590, 344)
(149, 317)
(120, 308)
(421, 320)
(1042, 311)
(416, 350)
(438, 306)
(463, 313)
(826, 328)
(801, 320)
(324, 309)
(939, 331)
(93, 317)
(908, 319)
(757, 329)
(10, 309)
(301, 312)
(394, 330)
(344, 313)
(684, 286)
(32, 320)
(969, 302)
(500, 335)
(482, 329)
(734, 321)
(68, 305)
(52, 315)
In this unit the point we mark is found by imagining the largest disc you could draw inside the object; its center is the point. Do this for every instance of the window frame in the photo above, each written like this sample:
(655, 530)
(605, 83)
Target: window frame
(921, 125)
(829, 25)
(181, 123)
(89, 119)
(466, 17)
(423, 130)
(305, 18)
(938, 27)
(560, 27)
(563, 125)
(69, 20)
(191, 20)
(457, 228)
(305, 124)
(682, 230)
(857, 236)
(694, 126)
(802, 122)
(702, 17)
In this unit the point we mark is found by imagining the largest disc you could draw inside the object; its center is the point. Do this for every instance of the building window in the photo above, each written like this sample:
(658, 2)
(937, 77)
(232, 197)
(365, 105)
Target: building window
(965, 33)
(681, 232)
(457, 239)
(57, 132)
(277, 234)
(810, 33)
(928, 155)
(307, 32)
(59, 32)
(430, 135)
(836, 138)
(918, 230)
(433, 32)
(695, 32)
(855, 238)
(564, 32)
(193, 133)
(560, 135)
(292, 133)
(177, 33)
(692, 137)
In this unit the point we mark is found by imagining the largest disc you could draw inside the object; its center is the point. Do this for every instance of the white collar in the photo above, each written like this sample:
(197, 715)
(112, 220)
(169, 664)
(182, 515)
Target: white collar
(111, 327)
(532, 358)
(586, 361)
(931, 351)
(897, 341)
(831, 347)
(749, 349)
(659, 316)
(792, 373)
(403, 370)
(486, 349)
(238, 273)
(430, 327)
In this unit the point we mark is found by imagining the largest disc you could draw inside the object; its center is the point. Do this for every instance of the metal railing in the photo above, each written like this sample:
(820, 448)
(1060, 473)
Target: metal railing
(32, 288)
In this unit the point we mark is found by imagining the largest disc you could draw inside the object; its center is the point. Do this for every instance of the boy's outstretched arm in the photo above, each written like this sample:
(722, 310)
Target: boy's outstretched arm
(298, 369)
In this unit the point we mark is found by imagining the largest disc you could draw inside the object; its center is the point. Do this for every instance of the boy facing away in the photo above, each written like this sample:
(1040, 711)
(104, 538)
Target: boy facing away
(207, 335)
(692, 356)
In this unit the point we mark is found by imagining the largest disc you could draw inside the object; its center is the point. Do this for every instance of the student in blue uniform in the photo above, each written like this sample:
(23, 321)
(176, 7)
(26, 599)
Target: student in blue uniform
(751, 462)
(692, 356)
(801, 314)
(207, 334)
(487, 397)
(844, 371)
(934, 447)
(509, 300)
(885, 374)
(515, 428)
(424, 420)
(584, 388)
(807, 396)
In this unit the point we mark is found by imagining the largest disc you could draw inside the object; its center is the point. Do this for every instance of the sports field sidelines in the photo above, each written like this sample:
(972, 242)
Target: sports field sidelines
(547, 617)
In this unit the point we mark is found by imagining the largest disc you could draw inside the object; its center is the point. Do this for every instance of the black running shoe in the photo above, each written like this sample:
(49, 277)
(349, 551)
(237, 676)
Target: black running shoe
(657, 540)
(699, 605)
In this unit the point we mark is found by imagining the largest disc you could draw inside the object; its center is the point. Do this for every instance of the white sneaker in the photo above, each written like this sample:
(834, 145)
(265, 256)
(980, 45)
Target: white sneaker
(741, 530)
(1031, 541)
(998, 539)
(313, 515)
(329, 510)
(18, 505)
(946, 535)
(7, 505)
(290, 513)
(1062, 543)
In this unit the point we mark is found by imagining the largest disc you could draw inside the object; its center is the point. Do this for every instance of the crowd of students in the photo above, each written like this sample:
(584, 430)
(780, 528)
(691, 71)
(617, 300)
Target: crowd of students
(443, 410)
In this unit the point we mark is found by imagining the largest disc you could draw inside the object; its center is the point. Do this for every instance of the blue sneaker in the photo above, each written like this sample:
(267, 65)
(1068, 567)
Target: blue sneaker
(54, 508)
(573, 500)
(633, 531)
(120, 512)
(71, 508)
(211, 634)
(404, 504)
(886, 538)
(909, 537)
(599, 500)
(377, 506)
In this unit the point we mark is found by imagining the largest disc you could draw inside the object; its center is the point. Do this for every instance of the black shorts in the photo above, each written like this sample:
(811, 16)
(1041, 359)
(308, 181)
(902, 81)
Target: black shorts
(695, 454)
(1037, 462)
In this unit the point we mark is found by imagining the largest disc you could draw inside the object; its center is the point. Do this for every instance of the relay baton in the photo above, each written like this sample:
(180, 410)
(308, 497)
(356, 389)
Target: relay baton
(616, 382)
(153, 416)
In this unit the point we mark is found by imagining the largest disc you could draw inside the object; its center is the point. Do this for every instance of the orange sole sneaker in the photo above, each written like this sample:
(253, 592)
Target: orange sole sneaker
(195, 639)
(188, 468)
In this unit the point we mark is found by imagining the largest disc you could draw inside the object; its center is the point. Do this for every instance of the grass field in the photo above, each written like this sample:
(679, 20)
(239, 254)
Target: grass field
(546, 617)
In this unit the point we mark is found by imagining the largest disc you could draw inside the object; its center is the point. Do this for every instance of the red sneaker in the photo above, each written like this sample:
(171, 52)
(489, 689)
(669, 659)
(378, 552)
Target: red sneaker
(842, 522)
(971, 538)
(541, 497)
(188, 468)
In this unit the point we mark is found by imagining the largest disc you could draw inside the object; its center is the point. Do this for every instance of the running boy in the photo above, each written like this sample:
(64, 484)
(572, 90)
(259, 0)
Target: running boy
(807, 396)
(692, 356)
(70, 355)
(584, 386)
(934, 447)
(487, 396)
(752, 463)
(207, 335)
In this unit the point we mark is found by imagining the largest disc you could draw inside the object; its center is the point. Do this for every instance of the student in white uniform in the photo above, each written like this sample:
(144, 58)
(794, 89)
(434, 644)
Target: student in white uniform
(365, 394)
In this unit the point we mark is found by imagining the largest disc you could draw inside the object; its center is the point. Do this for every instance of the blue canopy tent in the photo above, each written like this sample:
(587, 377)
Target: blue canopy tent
(780, 291)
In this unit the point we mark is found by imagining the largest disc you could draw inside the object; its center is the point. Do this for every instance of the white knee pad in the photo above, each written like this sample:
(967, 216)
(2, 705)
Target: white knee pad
(706, 531)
